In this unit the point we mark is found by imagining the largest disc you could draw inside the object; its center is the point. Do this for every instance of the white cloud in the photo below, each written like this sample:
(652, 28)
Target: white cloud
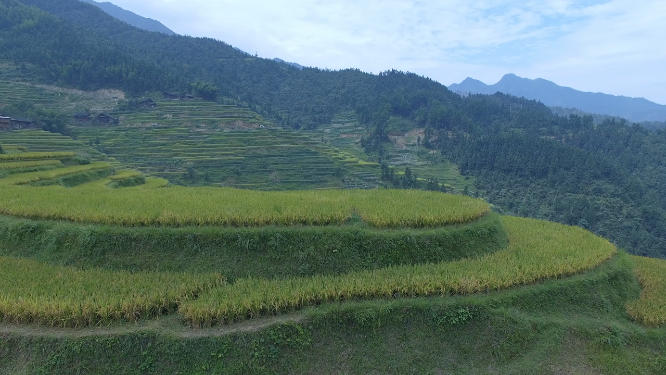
(594, 45)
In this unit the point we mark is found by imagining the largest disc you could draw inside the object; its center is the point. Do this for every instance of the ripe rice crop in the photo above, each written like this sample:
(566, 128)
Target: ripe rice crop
(147, 205)
(36, 156)
(538, 250)
(29, 164)
(33, 292)
(121, 175)
(27, 178)
(650, 308)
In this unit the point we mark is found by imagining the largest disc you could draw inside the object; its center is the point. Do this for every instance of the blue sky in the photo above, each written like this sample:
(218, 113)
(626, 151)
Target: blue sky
(612, 46)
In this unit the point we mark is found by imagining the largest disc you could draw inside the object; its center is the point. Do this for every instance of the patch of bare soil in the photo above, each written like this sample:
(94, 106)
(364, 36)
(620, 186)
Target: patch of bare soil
(240, 125)
(398, 141)
(401, 141)
(99, 94)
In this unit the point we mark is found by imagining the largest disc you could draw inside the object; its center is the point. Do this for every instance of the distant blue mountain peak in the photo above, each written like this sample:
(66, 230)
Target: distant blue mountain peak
(553, 95)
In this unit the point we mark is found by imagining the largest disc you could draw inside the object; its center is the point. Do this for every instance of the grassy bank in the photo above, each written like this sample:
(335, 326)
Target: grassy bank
(267, 252)
(537, 250)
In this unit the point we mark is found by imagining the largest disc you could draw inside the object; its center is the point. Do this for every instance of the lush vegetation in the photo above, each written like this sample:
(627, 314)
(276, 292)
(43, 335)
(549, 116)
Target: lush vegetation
(569, 325)
(606, 178)
(40, 177)
(200, 148)
(23, 143)
(537, 250)
(266, 252)
(650, 308)
(36, 156)
(32, 292)
(177, 206)
(29, 164)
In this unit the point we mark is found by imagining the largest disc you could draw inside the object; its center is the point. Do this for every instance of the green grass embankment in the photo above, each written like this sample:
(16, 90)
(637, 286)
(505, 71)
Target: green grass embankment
(574, 325)
(267, 252)
(537, 250)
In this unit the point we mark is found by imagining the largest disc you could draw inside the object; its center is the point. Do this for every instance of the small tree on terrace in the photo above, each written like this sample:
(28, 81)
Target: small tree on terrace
(206, 90)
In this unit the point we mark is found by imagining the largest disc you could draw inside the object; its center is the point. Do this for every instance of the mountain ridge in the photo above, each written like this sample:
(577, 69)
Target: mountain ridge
(131, 18)
(553, 95)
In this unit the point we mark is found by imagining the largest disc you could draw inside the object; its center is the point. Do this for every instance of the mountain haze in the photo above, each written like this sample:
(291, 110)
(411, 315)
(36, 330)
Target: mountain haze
(131, 18)
(553, 95)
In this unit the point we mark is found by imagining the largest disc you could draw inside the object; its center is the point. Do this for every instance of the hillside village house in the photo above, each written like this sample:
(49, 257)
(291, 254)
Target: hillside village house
(11, 123)
(82, 117)
(5, 123)
(148, 102)
(22, 123)
(103, 118)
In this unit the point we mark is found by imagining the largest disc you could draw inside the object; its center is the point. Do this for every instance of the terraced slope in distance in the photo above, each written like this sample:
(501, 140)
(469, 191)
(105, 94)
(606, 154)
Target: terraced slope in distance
(19, 92)
(345, 132)
(200, 143)
(18, 143)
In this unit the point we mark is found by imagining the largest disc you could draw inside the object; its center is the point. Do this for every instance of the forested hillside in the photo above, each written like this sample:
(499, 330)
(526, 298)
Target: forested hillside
(605, 178)
(526, 160)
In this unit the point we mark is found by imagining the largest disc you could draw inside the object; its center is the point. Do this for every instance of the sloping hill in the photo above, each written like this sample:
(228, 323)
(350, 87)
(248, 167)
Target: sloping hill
(549, 93)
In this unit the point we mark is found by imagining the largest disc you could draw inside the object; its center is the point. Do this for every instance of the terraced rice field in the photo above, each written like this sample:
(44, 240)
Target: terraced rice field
(22, 141)
(62, 100)
(192, 113)
(179, 206)
(538, 250)
(64, 296)
(14, 93)
(32, 292)
(260, 159)
(650, 308)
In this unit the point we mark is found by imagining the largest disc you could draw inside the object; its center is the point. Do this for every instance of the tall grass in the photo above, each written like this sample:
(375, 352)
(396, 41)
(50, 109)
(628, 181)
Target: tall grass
(538, 250)
(179, 206)
(36, 156)
(650, 308)
(32, 292)
(29, 164)
(32, 177)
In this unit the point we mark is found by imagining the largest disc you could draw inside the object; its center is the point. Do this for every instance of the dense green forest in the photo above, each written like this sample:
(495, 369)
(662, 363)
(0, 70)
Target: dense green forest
(605, 176)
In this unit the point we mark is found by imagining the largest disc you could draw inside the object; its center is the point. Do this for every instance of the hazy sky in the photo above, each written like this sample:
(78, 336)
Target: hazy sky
(614, 46)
